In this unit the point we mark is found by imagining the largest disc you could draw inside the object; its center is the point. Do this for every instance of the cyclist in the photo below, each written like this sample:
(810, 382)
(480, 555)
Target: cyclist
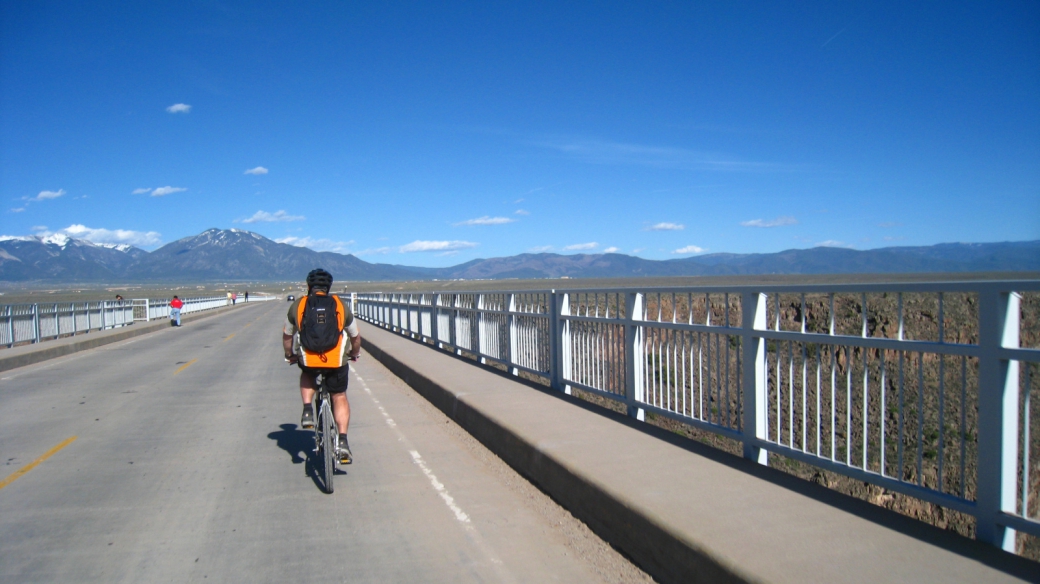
(332, 362)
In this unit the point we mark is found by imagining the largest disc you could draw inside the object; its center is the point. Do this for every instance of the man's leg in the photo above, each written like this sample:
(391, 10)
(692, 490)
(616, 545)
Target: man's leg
(307, 388)
(337, 384)
(341, 411)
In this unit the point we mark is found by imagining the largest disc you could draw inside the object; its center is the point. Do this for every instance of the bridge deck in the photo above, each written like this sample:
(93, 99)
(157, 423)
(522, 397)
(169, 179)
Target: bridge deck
(188, 467)
(684, 511)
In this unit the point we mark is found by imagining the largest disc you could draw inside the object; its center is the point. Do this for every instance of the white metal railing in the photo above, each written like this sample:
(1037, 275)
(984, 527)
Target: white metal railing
(34, 323)
(20, 323)
(924, 389)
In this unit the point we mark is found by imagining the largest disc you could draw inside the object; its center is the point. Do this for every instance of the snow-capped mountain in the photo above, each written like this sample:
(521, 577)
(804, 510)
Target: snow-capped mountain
(57, 256)
(234, 254)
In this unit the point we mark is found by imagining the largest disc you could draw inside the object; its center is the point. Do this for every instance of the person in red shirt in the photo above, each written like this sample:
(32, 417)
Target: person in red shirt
(175, 311)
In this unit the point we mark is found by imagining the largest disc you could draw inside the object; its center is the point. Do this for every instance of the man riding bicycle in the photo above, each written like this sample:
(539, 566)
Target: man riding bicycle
(317, 328)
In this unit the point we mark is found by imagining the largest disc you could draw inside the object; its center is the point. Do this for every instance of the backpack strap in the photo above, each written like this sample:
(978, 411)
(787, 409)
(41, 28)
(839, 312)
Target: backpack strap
(299, 311)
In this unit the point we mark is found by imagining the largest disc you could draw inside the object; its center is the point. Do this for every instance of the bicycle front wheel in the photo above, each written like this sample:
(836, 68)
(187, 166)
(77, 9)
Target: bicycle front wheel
(328, 446)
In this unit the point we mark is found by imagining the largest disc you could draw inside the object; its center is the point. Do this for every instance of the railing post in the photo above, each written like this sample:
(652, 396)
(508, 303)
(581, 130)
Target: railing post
(435, 316)
(147, 310)
(10, 326)
(753, 317)
(36, 323)
(455, 324)
(480, 329)
(998, 417)
(555, 342)
(513, 337)
(566, 342)
(634, 373)
(57, 322)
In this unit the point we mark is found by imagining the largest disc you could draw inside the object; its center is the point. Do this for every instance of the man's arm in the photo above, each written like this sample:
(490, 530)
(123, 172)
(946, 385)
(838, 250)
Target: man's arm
(355, 347)
(287, 347)
(355, 336)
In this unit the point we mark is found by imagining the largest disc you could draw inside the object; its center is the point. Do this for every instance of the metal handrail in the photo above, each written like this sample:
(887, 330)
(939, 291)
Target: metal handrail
(39, 322)
(921, 388)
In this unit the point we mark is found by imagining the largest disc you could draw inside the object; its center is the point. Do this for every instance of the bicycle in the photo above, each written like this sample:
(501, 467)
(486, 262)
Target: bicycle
(326, 433)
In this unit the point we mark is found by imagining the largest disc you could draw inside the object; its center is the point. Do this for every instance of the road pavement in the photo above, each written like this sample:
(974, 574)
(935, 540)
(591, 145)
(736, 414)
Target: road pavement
(176, 457)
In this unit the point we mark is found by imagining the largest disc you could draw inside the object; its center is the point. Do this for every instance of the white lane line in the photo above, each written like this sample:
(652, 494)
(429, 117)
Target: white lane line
(442, 491)
(417, 458)
(439, 487)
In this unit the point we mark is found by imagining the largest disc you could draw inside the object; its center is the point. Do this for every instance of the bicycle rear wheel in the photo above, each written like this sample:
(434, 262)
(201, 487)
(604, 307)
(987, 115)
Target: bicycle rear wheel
(328, 444)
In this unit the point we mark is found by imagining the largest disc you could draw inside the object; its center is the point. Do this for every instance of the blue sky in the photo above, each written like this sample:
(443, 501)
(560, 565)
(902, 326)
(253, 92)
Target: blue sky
(434, 133)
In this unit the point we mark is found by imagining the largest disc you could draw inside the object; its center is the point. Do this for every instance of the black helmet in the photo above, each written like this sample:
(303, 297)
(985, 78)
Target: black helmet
(319, 278)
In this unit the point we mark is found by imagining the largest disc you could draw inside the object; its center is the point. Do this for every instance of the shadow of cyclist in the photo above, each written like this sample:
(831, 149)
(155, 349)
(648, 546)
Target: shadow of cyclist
(300, 446)
(298, 443)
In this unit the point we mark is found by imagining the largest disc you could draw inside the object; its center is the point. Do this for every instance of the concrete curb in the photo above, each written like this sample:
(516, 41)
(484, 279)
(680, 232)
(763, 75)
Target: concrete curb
(666, 556)
(47, 350)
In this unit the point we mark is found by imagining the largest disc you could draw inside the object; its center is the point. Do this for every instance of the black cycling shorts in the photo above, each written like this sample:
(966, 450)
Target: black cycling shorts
(335, 379)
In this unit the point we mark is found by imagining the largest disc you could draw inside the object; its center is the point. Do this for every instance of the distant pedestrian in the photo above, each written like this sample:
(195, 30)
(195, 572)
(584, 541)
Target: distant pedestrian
(175, 311)
(234, 297)
(229, 299)
(119, 297)
(247, 295)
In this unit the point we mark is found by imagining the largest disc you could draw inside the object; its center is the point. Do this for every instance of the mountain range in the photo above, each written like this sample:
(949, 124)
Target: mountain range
(237, 255)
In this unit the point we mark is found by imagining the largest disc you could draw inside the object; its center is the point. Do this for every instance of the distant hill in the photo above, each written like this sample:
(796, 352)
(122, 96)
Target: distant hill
(947, 257)
(233, 254)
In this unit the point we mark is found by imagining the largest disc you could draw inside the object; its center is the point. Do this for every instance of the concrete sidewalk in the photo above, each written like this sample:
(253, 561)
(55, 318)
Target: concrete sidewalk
(682, 511)
(28, 354)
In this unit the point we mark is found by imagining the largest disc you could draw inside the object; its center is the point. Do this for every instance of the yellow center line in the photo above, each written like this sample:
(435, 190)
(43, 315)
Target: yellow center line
(228, 337)
(18, 473)
(185, 366)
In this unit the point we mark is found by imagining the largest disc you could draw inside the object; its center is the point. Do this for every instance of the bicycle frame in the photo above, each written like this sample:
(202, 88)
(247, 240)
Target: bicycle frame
(326, 443)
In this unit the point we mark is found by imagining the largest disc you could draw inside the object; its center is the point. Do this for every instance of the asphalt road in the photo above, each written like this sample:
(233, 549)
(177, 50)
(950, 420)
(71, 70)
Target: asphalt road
(187, 465)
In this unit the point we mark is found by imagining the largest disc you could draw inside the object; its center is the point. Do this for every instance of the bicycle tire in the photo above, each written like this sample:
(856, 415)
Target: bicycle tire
(328, 439)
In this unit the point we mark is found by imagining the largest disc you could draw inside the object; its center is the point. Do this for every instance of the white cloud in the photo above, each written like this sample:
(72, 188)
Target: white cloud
(581, 246)
(666, 227)
(17, 209)
(485, 220)
(44, 195)
(140, 191)
(78, 231)
(318, 244)
(611, 249)
(257, 170)
(38, 228)
(179, 108)
(778, 222)
(435, 246)
(373, 251)
(540, 249)
(521, 212)
(889, 224)
(601, 152)
(690, 249)
(167, 190)
(832, 243)
(264, 216)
